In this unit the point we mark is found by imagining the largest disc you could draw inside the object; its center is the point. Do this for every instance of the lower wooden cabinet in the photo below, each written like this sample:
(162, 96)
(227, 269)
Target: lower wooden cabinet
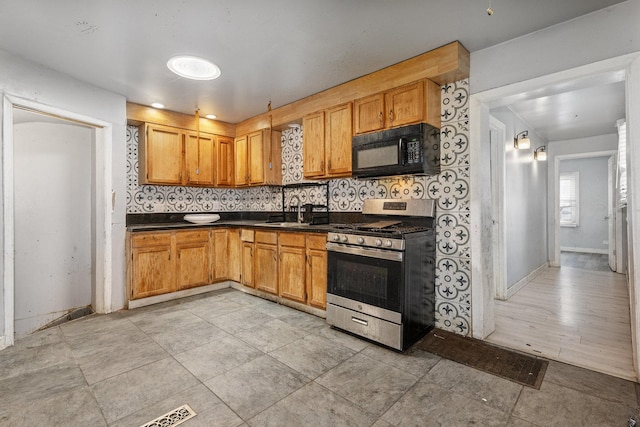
(152, 268)
(291, 248)
(265, 259)
(193, 258)
(292, 265)
(316, 277)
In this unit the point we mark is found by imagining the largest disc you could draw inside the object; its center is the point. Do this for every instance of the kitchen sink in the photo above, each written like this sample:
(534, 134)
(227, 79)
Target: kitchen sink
(285, 224)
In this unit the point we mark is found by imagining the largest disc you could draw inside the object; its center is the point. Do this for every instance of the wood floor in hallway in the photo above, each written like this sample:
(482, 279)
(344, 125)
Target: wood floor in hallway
(572, 315)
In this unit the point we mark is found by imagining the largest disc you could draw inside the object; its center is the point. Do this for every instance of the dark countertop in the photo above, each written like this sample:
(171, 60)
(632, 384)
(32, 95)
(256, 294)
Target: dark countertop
(258, 220)
(281, 226)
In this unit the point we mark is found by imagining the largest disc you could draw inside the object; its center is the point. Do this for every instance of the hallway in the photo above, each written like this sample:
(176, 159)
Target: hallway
(572, 315)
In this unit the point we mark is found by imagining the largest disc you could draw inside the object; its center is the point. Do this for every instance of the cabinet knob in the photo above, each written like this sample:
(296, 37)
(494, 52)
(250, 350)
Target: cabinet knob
(391, 116)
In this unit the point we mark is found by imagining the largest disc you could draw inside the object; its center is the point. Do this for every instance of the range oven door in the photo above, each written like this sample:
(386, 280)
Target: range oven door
(366, 275)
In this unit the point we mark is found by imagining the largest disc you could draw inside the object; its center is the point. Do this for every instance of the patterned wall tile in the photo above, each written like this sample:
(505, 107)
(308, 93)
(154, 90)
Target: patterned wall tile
(451, 189)
(452, 234)
(455, 100)
(454, 146)
(453, 279)
(453, 317)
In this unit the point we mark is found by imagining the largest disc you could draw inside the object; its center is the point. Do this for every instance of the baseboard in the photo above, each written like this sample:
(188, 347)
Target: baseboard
(584, 250)
(136, 303)
(523, 282)
(278, 299)
(4, 342)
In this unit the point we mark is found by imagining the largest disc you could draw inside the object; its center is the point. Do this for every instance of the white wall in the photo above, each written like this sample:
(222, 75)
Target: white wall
(592, 231)
(525, 202)
(52, 193)
(607, 33)
(580, 146)
(22, 79)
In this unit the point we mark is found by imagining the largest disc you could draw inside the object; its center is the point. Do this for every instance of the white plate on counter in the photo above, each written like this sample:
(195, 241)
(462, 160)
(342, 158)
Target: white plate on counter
(201, 218)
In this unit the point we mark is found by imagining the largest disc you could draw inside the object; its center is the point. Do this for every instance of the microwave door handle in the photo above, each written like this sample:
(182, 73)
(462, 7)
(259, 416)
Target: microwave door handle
(401, 158)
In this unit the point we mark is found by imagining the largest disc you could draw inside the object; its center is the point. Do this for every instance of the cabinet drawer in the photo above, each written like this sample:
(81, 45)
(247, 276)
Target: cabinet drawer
(247, 235)
(316, 241)
(292, 239)
(150, 239)
(192, 236)
(269, 237)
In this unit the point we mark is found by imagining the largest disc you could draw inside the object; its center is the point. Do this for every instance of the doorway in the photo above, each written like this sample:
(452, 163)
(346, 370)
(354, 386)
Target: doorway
(101, 207)
(53, 161)
(483, 290)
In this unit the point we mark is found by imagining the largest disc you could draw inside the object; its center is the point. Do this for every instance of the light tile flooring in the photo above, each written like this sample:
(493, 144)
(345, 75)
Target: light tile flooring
(239, 360)
(575, 315)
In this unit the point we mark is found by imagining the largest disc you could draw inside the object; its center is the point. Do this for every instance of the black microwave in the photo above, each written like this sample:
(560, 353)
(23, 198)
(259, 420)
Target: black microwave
(413, 149)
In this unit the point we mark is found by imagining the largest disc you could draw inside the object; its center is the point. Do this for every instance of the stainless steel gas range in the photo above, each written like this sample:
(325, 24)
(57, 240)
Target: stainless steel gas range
(381, 273)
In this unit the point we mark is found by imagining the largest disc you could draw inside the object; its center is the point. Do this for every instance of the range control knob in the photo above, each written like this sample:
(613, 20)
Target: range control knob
(378, 242)
(344, 238)
(360, 240)
(336, 237)
(388, 243)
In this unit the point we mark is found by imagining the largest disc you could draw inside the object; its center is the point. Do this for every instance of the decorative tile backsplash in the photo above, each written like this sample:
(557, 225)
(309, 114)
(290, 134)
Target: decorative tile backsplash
(450, 188)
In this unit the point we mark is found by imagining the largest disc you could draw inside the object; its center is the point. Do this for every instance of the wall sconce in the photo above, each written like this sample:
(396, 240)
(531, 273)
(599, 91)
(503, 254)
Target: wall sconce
(521, 141)
(540, 153)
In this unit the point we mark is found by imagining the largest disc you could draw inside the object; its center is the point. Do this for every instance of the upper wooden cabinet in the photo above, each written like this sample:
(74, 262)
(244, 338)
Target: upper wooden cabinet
(160, 154)
(327, 142)
(413, 103)
(257, 158)
(172, 156)
(224, 162)
(200, 158)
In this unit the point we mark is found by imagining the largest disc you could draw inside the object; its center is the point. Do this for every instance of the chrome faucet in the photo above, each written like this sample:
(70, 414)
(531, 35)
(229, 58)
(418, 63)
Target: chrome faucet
(299, 206)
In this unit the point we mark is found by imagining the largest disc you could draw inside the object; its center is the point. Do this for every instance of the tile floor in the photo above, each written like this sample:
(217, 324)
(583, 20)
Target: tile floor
(238, 360)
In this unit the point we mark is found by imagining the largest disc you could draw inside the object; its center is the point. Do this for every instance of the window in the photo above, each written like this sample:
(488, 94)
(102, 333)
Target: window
(569, 206)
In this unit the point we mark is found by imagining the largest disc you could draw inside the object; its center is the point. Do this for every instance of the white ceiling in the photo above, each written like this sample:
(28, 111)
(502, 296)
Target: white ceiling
(278, 50)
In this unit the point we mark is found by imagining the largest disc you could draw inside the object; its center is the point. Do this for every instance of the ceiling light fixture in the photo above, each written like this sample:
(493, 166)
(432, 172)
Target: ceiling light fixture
(192, 67)
(157, 105)
(540, 153)
(522, 141)
(211, 116)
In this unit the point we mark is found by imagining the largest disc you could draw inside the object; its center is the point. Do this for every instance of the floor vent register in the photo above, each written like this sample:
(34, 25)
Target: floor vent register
(172, 418)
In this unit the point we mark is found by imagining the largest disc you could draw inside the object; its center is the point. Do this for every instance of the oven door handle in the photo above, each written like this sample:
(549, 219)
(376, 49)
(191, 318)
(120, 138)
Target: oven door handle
(368, 252)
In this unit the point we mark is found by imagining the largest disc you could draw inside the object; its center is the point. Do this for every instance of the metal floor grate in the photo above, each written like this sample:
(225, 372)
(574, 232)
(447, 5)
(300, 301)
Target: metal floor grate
(172, 418)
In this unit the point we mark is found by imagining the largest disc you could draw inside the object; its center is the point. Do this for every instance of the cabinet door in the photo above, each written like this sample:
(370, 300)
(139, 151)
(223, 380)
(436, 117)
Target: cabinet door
(405, 105)
(266, 267)
(292, 272)
(256, 158)
(247, 264)
(338, 134)
(313, 146)
(192, 265)
(152, 271)
(273, 157)
(234, 255)
(219, 264)
(317, 271)
(241, 151)
(199, 158)
(224, 162)
(369, 113)
(160, 151)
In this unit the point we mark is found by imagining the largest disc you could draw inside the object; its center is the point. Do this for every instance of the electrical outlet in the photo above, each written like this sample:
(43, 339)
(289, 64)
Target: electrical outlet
(215, 205)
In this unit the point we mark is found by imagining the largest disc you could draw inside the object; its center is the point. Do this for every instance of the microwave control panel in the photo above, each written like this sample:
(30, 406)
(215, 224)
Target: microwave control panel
(413, 151)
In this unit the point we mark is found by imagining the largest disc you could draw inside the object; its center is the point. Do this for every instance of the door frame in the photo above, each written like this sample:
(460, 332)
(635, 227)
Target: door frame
(554, 260)
(498, 214)
(102, 205)
(625, 67)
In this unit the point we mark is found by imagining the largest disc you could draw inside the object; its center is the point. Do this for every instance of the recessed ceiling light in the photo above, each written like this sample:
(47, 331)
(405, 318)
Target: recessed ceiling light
(194, 68)
(157, 105)
(211, 116)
